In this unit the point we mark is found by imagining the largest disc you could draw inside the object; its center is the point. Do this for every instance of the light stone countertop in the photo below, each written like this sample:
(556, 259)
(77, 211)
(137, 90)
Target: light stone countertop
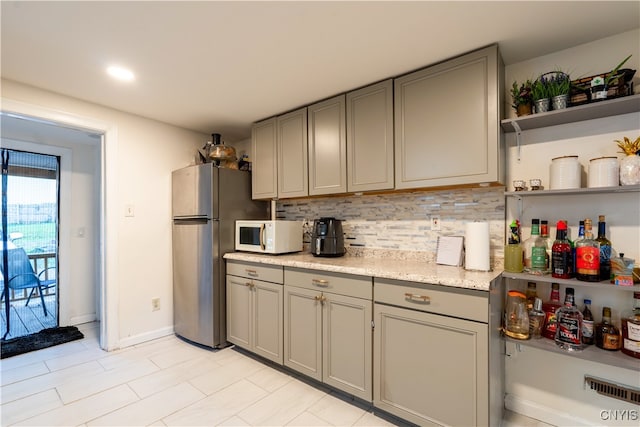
(388, 268)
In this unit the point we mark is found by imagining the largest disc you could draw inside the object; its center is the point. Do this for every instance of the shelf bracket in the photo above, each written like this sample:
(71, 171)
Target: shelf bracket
(516, 126)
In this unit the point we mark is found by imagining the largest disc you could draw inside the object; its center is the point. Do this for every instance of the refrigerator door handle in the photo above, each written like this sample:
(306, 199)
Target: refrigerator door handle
(192, 220)
(262, 244)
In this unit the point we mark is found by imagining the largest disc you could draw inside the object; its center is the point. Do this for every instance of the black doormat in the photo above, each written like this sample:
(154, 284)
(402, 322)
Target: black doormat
(43, 339)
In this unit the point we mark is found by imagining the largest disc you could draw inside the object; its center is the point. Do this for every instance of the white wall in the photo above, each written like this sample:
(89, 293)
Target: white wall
(138, 173)
(540, 384)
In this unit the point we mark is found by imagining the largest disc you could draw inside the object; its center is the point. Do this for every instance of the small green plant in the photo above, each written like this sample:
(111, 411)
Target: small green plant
(540, 88)
(613, 75)
(521, 94)
(559, 84)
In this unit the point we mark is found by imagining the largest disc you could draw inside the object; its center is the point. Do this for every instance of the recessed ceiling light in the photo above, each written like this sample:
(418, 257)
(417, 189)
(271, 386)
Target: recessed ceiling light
(120, 73)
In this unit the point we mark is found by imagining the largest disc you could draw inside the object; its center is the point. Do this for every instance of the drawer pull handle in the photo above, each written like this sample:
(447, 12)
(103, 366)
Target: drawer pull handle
(252, 273)
(320, 298)
(417, 298)
(320, 282)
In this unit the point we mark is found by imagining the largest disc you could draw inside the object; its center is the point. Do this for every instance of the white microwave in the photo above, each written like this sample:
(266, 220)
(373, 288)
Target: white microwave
(269, 237)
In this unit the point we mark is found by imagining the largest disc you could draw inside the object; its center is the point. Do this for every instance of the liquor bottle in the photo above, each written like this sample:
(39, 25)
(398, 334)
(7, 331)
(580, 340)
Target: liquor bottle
(536, 319)
(561, 259)
(531, 294)
(535, 252)
(630, 329)
(605, 250)
(548, 243)
(569, 324)
(549, 309)
(573, 246)
(607, 335)
(588, 256)
(587, 323)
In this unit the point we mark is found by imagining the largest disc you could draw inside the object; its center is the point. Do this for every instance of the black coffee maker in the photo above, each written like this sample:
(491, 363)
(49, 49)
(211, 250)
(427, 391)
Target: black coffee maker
(327, 238)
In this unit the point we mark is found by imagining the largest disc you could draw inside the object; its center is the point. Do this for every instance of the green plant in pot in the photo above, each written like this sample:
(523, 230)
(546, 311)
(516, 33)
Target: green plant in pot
(600, 86)
(559, 86)
(521, 97)
(540, 94)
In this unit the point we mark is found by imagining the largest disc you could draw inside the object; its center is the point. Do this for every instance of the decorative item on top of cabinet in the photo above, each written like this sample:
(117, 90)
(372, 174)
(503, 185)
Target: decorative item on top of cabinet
(327, 147)
(370, 138)
(522, 97)
(431, 148)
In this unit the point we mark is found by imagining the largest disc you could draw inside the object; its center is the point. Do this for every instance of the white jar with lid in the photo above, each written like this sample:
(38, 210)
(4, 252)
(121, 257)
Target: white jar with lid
(603, 172)
(565, 173)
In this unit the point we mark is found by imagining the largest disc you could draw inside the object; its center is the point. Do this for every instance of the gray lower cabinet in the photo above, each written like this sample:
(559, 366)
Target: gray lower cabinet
(447, 120)
(327, 147)
(264, 149)
(431, 351)
(327, 329)
(255, 309)
(370, 138)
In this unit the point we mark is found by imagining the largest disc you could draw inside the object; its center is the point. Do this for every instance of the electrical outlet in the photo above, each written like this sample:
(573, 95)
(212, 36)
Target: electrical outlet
(155, 304)
(435, 223)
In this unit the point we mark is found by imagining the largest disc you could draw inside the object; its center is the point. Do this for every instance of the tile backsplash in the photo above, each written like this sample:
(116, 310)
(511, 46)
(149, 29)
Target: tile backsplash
(400, 223)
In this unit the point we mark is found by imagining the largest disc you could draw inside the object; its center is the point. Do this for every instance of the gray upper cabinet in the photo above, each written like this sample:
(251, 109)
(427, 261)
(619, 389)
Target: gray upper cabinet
(370, 138)
(447, 123)
(293, 178)
(327, 147)
(264, 178)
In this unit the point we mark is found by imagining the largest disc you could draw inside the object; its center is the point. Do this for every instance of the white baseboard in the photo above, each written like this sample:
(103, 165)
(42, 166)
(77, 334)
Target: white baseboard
(85, 318)
(542, 413)
(147, 336)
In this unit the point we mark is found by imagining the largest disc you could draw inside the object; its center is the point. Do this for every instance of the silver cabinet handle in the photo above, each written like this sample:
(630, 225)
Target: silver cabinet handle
(252, 273)
(320, 282)
(417, 298)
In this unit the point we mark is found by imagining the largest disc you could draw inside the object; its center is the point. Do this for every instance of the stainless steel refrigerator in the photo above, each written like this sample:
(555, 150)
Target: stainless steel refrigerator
(206, 202)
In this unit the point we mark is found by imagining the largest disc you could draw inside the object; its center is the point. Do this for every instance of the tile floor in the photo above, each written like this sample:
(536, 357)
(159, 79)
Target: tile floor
(167, 382)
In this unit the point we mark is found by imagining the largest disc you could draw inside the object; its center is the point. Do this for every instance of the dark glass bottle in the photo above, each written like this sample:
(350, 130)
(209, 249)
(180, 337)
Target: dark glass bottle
(573, 247)
(588, 256)
(587, 323)
(531, 294)
(631, 329)
(607, 335)
(561, 258)
(605, 250)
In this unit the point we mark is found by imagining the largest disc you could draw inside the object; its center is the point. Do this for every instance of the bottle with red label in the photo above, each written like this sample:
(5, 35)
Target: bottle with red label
(549, 309)
(569, 324)
(588, 256)
(561, 258)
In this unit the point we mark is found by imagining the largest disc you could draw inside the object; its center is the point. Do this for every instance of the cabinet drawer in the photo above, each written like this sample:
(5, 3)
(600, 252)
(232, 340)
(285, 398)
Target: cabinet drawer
(337, 283)
(456, 302)
(265, 272)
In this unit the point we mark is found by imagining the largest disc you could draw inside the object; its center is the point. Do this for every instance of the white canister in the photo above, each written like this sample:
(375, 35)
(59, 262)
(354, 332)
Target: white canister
(565, 173)
(603, 172)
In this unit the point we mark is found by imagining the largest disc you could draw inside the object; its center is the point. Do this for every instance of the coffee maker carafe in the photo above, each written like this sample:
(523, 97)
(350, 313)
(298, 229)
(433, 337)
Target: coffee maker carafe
(327, 239)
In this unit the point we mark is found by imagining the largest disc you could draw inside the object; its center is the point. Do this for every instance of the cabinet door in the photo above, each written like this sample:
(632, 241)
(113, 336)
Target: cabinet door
(303, 331)
(264, 178)
(293, 176)
(267, 320)
(346, 343)
(446, 123)
(327, 147)
(430, 368)
(370, 138)
(239, 311)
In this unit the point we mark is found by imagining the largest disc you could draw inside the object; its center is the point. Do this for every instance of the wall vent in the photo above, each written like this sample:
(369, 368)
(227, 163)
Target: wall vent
(613, 390)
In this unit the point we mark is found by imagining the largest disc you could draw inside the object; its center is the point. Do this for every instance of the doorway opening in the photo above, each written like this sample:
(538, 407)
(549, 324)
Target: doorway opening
(31, 300)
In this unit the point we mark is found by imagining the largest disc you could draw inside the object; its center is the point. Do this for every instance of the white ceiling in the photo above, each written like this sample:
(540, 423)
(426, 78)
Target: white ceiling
(219, 66)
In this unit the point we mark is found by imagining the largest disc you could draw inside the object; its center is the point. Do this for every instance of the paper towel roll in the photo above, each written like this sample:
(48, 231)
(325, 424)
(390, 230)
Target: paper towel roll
(477, 244)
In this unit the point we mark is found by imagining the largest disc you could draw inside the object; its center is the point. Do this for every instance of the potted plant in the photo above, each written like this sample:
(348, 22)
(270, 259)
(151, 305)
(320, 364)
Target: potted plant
(540, 94)
(559, 86)
(521, 96)
(600, 85)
